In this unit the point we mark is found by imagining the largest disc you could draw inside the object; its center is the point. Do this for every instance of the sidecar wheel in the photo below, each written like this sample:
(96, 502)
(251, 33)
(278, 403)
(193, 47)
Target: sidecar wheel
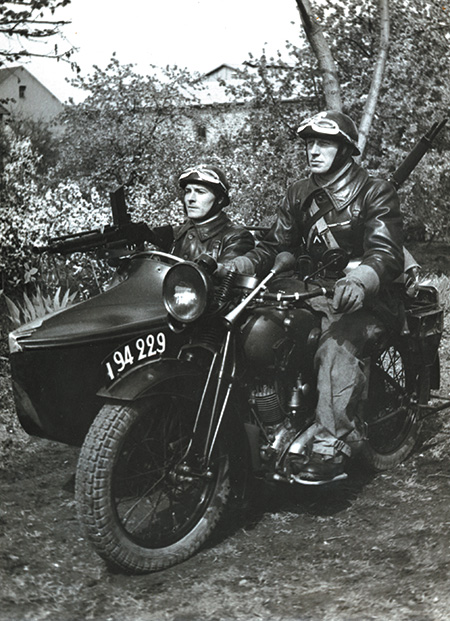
(391, 415)
(139, 514)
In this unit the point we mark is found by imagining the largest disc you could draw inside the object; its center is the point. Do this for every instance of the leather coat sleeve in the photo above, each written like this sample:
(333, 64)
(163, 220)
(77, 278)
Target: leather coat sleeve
(235, 243)
(284, 235)
(383, 231)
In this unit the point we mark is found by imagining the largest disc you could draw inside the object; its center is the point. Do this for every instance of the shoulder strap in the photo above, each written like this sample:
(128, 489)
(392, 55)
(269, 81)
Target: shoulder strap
(324, 204)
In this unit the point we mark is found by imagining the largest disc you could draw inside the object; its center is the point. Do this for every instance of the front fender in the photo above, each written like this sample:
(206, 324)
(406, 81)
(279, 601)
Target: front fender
(141, 381)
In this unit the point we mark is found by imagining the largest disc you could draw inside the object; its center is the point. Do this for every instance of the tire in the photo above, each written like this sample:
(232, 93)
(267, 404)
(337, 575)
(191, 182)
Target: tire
(137, 513)
(391, 416)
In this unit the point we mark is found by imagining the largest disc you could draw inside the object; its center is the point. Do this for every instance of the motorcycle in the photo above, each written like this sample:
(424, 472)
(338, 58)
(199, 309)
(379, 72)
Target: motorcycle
(181, 387)
(235, 398)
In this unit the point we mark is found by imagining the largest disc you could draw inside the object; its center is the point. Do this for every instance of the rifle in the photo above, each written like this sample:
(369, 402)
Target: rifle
(403, 171)
(120, 235)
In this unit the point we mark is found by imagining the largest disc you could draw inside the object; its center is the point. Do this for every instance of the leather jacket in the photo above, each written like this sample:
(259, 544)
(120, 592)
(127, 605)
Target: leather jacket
(365, 220)
(218, 237)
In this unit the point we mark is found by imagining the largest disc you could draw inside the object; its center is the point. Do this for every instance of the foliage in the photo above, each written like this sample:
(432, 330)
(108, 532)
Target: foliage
(32, 212)
(138, 131)
(129, 128)
(38, 304)
(23, 23)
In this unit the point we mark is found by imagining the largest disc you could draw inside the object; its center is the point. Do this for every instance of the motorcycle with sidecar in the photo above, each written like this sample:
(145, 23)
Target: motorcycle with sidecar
(182, 387)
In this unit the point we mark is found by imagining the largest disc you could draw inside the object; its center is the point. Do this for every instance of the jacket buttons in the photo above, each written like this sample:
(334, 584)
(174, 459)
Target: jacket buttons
(190, 236)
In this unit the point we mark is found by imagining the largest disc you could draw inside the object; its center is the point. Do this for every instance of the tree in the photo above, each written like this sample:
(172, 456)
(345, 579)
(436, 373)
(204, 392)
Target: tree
(128, 130)
(412, 84)
(328, 69)
(25, 22)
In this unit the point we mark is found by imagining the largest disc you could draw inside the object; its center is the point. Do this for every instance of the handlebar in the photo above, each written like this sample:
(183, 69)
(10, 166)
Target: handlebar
(298, 296)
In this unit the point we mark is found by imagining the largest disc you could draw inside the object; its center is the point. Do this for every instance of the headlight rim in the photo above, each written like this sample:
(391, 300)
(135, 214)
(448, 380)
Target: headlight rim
(203, 291)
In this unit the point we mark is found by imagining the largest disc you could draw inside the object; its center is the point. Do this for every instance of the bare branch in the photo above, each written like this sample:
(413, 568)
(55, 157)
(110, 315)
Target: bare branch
(377, 78)
(25, 21)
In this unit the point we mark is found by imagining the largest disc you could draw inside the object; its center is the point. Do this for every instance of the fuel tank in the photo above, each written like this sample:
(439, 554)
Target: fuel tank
(272, 332)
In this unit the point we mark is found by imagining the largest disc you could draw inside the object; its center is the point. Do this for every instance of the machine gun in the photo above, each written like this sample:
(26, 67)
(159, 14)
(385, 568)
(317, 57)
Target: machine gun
(111, 239)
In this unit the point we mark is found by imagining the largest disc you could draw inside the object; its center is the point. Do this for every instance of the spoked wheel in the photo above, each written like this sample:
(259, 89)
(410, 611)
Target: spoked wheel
(391, 414)
(141, 510)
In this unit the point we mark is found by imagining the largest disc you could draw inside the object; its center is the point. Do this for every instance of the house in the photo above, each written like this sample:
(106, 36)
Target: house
(23, 96)
(221, 111)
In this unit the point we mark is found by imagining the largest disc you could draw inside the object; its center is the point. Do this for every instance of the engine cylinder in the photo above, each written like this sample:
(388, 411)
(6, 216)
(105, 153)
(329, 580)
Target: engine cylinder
(268, 405)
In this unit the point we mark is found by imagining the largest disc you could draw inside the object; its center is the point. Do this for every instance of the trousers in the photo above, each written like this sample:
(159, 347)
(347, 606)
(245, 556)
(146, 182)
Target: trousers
(342, 364)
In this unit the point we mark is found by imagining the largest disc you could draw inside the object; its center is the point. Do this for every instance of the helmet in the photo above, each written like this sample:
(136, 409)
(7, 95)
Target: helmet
(334, 124)
(210, 176)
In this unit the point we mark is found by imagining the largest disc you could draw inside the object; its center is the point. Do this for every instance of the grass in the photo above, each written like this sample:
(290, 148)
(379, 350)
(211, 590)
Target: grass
(37, 304)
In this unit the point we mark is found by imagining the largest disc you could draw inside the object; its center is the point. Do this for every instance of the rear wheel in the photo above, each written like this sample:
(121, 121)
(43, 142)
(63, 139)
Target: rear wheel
(391, 415)
(141, 511)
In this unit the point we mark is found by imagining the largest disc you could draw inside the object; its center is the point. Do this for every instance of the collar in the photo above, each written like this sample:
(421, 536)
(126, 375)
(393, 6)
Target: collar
(204, 230)
(343, 188)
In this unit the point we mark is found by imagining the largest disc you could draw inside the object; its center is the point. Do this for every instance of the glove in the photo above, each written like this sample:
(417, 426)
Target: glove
(351, 291)
(348, 296)
(242, 264)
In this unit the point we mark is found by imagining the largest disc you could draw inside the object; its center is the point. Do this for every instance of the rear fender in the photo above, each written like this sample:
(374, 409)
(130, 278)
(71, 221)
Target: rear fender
(140, 382)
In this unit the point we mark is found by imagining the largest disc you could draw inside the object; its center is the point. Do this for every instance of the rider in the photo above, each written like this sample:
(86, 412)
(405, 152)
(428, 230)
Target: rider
(207, 229)
(338, 206)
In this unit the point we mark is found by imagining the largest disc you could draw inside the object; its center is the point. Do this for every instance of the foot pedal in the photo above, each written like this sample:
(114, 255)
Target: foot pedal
(298, 479)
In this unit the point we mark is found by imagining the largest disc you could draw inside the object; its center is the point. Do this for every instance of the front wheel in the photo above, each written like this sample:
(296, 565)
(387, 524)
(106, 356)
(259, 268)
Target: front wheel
(139, 511)
(391, 414)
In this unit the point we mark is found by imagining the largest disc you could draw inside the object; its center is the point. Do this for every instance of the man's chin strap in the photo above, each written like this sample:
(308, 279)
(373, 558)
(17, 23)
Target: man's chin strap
(342, 160)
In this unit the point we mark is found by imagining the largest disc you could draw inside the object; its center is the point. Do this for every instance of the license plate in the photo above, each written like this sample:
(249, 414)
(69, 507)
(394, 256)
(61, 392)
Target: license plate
(133, 353)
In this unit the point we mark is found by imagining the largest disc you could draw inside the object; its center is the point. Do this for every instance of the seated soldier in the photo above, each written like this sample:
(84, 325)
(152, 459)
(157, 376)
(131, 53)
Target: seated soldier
(207, 228)
(339, 205)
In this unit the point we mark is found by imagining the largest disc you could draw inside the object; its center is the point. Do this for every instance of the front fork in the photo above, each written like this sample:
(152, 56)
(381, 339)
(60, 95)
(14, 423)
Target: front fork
(211, 411)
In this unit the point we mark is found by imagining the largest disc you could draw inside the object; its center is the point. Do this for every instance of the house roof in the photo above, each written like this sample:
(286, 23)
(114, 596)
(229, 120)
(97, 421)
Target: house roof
(211, 87)
(7, 72)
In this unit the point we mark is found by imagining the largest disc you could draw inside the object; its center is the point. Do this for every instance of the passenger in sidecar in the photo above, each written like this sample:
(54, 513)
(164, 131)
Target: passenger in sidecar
(207, 228)
(61, 361)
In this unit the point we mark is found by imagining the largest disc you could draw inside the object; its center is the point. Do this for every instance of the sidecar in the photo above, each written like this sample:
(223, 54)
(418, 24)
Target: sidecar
(59, 362)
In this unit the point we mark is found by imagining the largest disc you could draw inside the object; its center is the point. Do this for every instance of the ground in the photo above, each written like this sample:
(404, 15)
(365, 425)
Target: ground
(373, 548)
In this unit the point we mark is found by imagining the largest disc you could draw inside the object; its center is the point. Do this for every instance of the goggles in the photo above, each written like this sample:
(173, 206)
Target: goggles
(202, 174)
(322, 125)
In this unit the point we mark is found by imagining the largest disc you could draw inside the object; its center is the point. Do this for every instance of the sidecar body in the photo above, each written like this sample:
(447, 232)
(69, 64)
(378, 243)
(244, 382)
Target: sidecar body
(60, 362)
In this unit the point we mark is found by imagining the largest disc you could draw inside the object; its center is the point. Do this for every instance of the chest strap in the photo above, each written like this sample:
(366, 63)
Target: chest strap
(323, 205)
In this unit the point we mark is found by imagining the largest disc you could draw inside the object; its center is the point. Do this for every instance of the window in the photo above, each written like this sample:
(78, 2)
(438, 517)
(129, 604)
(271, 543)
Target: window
(201, 132)
(22, 89)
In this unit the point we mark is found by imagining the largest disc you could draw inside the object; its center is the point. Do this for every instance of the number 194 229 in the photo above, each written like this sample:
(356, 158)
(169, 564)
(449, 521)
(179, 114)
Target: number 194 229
(132, 353)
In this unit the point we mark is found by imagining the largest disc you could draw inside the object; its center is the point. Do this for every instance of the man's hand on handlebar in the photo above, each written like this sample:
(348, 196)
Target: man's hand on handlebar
(242, 265)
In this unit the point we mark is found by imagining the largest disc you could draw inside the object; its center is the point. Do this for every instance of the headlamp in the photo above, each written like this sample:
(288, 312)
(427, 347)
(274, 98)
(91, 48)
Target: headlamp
(186, 292)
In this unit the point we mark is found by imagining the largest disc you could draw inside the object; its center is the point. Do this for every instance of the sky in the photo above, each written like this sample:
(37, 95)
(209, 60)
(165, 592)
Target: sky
(195, 34)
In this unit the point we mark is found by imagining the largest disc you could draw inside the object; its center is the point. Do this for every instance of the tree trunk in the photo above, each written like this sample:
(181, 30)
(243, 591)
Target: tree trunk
(319, 45)
(377, 78)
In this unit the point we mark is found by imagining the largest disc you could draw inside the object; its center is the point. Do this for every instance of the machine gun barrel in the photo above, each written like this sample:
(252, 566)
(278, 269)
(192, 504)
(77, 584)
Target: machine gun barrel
(415, 155)
(122, 234)
(112, 236)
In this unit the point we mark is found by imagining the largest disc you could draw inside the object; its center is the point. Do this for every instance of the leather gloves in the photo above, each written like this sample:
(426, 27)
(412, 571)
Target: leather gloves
(242, 264)
(351, 291)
